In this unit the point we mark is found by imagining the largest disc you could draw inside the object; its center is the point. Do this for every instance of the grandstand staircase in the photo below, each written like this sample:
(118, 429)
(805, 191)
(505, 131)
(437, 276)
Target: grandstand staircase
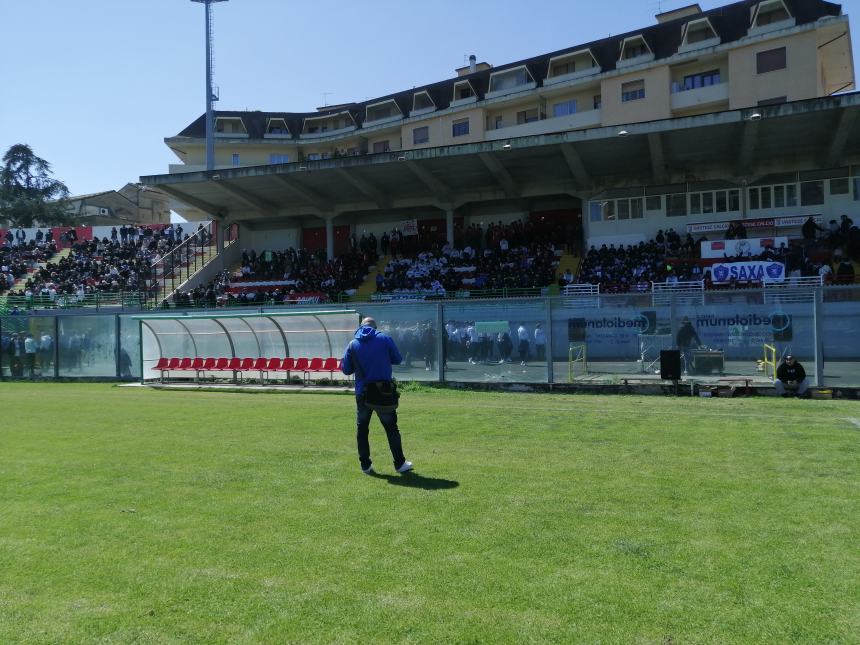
(367, 288)
(568, 261)
(166, 284)
(59, 255)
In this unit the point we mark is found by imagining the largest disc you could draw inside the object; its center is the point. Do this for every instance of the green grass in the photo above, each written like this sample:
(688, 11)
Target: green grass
(130, 515)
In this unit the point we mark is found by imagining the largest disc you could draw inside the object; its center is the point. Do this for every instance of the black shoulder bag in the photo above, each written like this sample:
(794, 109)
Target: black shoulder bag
(381, 396)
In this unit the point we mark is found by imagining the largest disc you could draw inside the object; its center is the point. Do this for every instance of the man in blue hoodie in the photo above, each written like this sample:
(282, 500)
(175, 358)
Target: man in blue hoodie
(374, 353)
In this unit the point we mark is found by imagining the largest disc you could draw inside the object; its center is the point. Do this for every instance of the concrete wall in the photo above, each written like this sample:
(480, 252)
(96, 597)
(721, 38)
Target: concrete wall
(799, 80)
(655, 105)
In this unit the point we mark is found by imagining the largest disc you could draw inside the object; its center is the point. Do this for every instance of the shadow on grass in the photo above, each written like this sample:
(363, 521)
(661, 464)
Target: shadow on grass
(414, 480)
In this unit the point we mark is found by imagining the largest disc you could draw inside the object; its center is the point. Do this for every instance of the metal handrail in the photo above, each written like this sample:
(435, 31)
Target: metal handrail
(99, 300)
(184, 261)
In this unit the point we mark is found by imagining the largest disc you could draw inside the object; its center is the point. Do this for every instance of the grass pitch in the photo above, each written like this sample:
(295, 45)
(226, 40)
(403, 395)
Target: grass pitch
(131, 515)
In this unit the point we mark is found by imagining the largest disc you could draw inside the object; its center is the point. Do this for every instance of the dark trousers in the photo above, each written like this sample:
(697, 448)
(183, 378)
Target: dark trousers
(388, 421)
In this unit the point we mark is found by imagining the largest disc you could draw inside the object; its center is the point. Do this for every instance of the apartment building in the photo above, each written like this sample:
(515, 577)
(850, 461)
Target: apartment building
(691, 62)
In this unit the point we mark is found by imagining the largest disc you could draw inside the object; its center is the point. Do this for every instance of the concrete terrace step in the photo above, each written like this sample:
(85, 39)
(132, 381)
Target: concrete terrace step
(368, 287)
(19, 284)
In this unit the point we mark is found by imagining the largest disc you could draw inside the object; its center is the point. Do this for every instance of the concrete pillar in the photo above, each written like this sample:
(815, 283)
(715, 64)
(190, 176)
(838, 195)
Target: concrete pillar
(329, 237)
(449, 225)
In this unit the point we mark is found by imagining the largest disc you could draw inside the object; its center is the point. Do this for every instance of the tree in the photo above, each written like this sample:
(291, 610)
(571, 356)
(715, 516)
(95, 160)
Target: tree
(28, 194)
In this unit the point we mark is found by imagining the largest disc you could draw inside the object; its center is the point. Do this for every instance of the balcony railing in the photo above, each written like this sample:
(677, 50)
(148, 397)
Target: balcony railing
(700, 96)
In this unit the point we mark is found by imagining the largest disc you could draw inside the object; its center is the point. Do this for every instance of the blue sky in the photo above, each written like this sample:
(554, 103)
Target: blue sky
(94, 86)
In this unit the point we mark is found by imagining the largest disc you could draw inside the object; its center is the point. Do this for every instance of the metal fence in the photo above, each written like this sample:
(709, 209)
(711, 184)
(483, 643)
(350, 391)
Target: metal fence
(619, 338)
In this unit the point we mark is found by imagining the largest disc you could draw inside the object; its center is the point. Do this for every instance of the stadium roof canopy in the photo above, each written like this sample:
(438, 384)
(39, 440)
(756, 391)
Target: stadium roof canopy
(802, 135)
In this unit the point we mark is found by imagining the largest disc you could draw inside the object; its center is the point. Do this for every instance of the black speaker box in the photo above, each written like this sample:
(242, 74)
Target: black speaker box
(670, 364)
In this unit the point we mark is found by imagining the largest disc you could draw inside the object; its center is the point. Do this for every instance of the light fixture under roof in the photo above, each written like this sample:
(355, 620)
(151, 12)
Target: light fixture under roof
(507, 145)
(755, 116)
(622, 133)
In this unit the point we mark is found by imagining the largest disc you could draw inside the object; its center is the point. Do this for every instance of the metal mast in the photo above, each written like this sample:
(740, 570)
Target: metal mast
(211, 91)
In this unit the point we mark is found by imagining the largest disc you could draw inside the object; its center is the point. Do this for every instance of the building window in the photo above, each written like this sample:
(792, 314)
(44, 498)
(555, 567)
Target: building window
(721, 201)
(695, 204)
(774, 101)
(754, 199)
(565, 108)
(857, 189)
(770, 60)
(498, 123)
(703, 79)
(630, 208)
(812, 193)
(463, 91)
(235, 159)
(381, 146)
(676, 205)
(421, 135)
(527, 116)
(734, 201)
(632, 91)
(560, 69)
(510, 80)
(596, 102)
(770, 13)
(460, 128)
(635, 48)
(279, 158)
(654, 203)
(314, 156)
(839, 186)
(765, 197)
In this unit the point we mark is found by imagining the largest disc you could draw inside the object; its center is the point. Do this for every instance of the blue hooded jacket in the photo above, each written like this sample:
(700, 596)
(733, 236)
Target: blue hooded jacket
(375, 352)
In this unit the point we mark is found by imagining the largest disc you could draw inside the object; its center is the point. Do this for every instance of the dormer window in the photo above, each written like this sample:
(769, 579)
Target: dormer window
(634, 47)
(381, 111)
(230, 126)
(511, 79)
(421, 101)
(277, 127)
(463, 90)
(697, 31)
(327, 123)
(571, 66)
(769, 12)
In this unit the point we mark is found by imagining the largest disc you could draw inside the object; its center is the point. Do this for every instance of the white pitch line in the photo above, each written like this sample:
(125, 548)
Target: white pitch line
(854, 422)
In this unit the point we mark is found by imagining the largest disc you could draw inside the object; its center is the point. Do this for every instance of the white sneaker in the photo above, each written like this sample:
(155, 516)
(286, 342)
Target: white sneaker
(406, 466)
(368, 471)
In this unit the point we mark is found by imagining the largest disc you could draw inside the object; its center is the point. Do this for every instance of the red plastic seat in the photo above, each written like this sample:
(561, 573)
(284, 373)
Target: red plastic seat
(185, 364)
(288, 365)
(302, 365)
(316, 365)
(222, 365)
(163, 365)
(274, 365)
(173, 364)
(235, 365)
(247, 364)
(261, 365)
(197, 364)
(331, 366)
(207, 365)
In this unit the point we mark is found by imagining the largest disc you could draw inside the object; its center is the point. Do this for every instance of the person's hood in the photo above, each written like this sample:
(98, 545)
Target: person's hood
(365, 333)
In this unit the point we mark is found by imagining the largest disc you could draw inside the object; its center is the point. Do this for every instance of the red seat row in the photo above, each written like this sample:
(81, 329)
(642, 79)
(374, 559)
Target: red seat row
(306, 366)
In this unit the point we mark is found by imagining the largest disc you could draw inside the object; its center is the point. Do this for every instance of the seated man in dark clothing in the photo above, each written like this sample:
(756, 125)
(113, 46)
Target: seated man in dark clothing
(791, 378)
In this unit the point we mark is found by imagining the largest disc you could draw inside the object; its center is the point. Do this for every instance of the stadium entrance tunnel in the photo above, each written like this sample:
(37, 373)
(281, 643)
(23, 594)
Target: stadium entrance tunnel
(191, 346)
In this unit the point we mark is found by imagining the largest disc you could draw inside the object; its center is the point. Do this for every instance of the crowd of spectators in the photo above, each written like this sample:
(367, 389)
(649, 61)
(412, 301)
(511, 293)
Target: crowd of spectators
(514, 255)
(286, 276)
(17, 261)
(115, 264)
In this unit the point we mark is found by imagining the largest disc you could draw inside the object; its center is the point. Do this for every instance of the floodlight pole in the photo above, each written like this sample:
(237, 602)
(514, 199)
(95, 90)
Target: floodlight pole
(210, 94)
